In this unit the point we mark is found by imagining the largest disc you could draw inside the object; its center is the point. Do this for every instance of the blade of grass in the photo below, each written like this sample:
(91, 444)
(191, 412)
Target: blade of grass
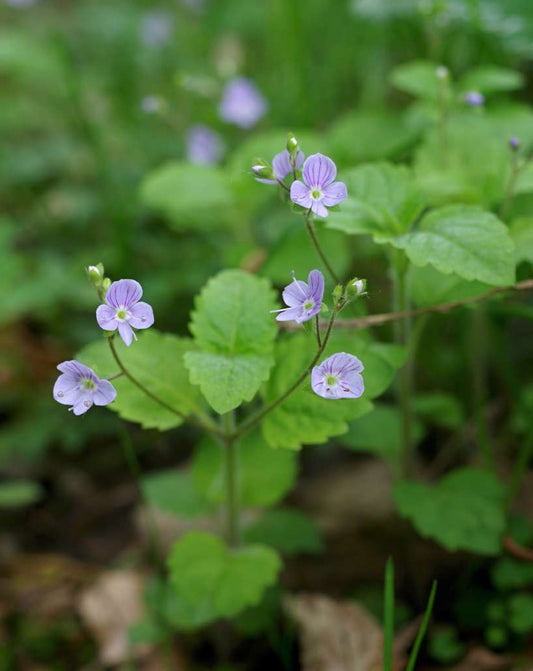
(423, 628)
(388, 616)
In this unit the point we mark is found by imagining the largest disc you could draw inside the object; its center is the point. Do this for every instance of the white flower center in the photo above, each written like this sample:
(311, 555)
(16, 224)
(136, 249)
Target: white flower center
(122, 314)
(331, 381)
(316, 193)
(87, 384)
(309, 304)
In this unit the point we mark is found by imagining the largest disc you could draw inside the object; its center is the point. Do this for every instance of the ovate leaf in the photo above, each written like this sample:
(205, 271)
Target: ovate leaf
(217, 581)
(234, 331)
(463, 240)
(522, 234)
(156, 361)
(419, 78)
(382, 201)
(465, 511)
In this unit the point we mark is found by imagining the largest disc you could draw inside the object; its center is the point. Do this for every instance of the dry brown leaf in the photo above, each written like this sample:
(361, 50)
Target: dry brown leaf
(481, 659)
(109, 607)
(335, 635)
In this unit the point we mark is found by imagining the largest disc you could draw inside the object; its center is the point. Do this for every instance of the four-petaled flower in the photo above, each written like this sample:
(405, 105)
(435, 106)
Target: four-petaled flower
(242, 103)
(339, 376)
(318, 189)
(124, 311)
(80, 387)
(281, 165)
(304, 299)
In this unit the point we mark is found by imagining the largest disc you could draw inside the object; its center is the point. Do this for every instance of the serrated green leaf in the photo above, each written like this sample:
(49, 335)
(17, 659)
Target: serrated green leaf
(382, 201)
(305, 418)
(189, 195)
(289, 531)
(465, 511)
(173, 491)
(235, 332)
(19, 493)
(380, 432)
(463, 240)
(156, 361)
(265, 475)
(522, 234)
(218, 581)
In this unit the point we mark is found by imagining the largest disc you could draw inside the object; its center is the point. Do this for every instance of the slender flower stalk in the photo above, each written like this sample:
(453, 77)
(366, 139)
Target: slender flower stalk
(312, 234)
(203, 422)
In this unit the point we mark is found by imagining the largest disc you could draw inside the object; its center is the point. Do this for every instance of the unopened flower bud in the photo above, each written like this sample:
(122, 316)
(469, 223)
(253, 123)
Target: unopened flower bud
(337, 293)
(106, 283)
(514, 143)
(96, 273)
(442, 72)
(355, 288)
(292, 145)
(263, 170)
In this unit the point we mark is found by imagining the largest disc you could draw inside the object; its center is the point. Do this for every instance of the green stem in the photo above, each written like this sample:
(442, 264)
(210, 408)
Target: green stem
(317, 331)
(516, 169)
(231, 459)
(249, 423)
(312, 233)
(205, 422)
(404, 387)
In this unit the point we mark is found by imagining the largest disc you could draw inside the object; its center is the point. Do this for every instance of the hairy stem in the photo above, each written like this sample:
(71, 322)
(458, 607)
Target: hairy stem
(231, 462)
(205, 422)
(249, 423)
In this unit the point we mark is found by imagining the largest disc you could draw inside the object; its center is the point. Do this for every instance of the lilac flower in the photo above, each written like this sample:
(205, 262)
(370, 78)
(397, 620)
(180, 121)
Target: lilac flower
(514, 143)
(156, 29)
(339, 376)
(80, 387)
(281, 164)
(474, 99)
(304, 299)
(204, 145)
(242, 103)
(318, 189)
(124, 311)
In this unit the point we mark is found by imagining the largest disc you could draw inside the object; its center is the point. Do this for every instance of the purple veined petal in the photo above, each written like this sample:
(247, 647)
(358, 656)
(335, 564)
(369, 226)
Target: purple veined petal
(317, 381)
(142, 315)
(126, 333)
(124, 293)
(66, 390)
(105, 393)
(83, 403)
(295, 293)
(352, 385)
(300, 194)
(106, 318)
(281, 163)
(289, 314)
(318, 208)
(319, 171)
(316, 286)
(265, 181)
(334, 194)
(76, 369)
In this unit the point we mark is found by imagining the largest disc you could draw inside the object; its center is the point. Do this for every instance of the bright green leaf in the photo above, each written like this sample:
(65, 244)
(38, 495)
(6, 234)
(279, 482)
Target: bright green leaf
(156, 361)
(522, 233)
(489, 79)
(465, 511)
(419, 78)
(265, 475)
(463, 240)
(189, 195)
(235, 332)
(382, 201)
(218, 581)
